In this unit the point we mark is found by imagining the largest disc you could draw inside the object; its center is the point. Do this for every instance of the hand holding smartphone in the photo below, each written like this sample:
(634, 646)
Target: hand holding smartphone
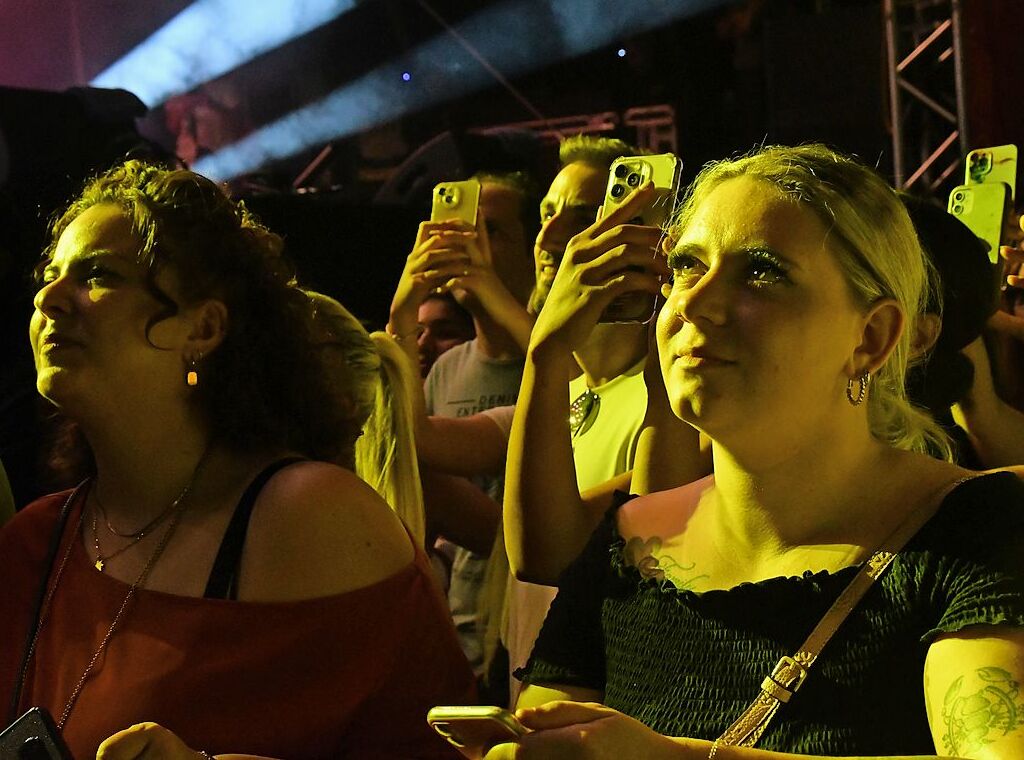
(474, 730)
(626, 175)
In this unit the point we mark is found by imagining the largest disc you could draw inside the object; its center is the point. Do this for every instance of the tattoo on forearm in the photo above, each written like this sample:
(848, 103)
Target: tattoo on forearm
(974, 719)
(643, 555)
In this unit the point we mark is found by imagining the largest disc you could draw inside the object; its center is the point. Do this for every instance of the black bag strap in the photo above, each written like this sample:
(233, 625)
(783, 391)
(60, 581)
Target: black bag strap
(37, 607)
(223, 582)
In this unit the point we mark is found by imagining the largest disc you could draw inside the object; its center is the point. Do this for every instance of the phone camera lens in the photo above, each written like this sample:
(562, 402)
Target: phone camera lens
(958, 196)
(618, 190)
(957, 208)
(633, 179)
(621, 171)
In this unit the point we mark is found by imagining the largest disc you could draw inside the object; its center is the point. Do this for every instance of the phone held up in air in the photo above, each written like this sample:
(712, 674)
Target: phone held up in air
(456, 200)
(474, 730)
(626, 175)
(993, 165)
(33, 736)
(982, 208)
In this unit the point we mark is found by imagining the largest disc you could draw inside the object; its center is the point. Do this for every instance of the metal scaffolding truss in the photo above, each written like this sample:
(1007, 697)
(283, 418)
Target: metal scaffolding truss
(926, 90)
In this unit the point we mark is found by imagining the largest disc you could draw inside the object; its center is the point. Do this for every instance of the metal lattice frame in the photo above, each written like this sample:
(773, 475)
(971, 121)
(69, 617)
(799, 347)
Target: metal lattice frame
(926, 90)
(654, 126)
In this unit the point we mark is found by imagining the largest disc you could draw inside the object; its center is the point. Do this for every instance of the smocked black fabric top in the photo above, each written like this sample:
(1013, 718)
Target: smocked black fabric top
(687, 664)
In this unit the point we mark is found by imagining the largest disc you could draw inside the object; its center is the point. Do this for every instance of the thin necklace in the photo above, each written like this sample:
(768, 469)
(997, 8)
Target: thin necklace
(148, 527)
(101, 560)
(139, 582)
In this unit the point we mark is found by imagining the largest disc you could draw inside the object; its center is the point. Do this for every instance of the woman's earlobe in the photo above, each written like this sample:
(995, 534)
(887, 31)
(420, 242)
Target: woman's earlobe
(927, 330)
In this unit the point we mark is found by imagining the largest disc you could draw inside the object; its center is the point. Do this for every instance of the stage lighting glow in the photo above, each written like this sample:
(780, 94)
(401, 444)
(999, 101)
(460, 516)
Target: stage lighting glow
(406, 76)
(621, 52)
(210, 38)
(516, 37)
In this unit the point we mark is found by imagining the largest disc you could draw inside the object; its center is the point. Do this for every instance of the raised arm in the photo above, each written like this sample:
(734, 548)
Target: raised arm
(545, 522)
(439, 253)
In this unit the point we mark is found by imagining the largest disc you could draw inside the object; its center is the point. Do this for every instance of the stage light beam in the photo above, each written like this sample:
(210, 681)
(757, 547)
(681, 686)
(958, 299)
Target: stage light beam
(516, 37)
(210, 38)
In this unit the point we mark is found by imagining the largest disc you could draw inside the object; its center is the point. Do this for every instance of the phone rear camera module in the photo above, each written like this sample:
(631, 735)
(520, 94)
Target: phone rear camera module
(617, 190)
(633, 179)
(621, 171)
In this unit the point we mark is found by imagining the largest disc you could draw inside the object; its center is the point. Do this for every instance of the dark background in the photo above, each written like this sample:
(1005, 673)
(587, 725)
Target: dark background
(738, 75)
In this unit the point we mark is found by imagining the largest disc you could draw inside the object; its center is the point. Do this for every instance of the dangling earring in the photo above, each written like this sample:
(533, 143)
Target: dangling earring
(864, 380)
(192, 375)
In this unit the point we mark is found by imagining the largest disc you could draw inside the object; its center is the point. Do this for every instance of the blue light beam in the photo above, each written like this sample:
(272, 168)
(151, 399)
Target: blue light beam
(210, 38)
(516, 37)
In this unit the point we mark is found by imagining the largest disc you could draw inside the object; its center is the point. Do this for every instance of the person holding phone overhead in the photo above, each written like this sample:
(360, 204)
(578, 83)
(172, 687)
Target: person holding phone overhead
(214, 585)
(790, 319)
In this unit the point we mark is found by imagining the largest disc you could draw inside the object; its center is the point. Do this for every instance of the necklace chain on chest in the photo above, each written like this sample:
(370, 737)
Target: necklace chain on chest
(175, 512)
(148, 527)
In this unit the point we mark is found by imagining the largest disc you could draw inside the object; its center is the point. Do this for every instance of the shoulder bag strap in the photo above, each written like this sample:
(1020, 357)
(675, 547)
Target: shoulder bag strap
(791, 671)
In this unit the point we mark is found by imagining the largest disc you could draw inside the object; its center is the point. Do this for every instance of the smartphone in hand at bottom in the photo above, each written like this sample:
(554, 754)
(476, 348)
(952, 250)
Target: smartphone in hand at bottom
(474, 730)
(33, 736)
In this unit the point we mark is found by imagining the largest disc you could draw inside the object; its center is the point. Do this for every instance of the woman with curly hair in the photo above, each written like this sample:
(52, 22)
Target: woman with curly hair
(214, 585)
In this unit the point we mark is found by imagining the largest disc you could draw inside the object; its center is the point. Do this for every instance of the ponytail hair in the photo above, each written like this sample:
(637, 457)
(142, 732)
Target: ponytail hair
(385, 455)
(372, 380)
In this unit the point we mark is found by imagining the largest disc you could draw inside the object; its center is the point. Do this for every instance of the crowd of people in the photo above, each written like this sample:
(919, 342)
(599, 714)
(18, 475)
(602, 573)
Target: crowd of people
(292, 537)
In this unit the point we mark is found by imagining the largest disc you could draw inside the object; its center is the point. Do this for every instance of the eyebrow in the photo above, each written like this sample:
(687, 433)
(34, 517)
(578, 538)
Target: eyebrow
(79, 260)
(699, 252)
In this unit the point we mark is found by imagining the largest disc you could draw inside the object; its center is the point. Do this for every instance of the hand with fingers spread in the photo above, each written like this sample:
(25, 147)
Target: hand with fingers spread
(608, 259)
(590, 731)
(442, 251)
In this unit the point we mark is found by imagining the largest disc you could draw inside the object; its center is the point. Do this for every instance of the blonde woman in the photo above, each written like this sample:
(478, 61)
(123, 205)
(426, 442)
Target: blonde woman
(796, 283)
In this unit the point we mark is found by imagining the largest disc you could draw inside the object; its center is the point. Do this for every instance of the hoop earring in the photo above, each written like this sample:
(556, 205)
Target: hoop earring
(864, 380)
(192, 374)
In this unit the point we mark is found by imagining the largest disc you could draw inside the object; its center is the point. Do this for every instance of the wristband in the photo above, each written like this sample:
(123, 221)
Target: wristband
(400, 338)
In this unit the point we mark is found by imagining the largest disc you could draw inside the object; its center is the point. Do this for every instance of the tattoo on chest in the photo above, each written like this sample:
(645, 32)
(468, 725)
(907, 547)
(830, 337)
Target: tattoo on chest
(976, 718)
(649, 560)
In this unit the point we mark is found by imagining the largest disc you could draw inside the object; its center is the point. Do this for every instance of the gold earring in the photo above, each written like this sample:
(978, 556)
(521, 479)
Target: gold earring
(864, 380)
(192, 375)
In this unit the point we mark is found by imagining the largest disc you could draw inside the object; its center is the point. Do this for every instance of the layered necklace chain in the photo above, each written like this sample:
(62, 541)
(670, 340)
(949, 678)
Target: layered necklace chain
(174, 512)
(135, 537)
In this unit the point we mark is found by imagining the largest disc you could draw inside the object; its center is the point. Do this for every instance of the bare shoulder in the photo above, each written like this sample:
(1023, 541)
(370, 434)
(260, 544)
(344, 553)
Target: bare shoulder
(925, 474)
(663, 513)
(318, 530)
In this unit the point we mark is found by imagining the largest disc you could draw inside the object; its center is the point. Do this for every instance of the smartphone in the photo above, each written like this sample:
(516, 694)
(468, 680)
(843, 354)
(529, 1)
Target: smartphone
(474, 730)
(988, 165)
(626, 175)
(33, 736)
(456, 200)
(982, 208)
